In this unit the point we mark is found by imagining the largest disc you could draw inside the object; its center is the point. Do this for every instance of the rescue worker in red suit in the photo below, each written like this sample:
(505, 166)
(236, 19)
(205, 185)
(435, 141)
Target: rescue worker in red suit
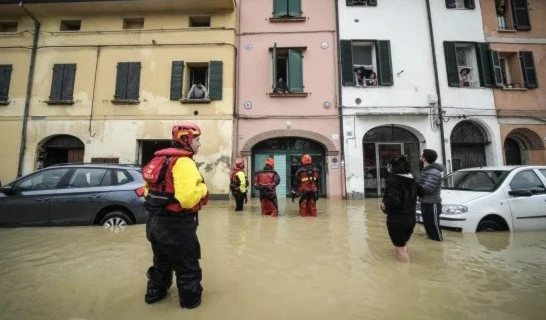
(266, 181)
(172, 224)
(306, 185)
(238, 184)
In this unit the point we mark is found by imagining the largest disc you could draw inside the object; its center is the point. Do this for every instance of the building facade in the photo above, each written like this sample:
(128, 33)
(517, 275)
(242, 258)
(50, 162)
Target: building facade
(287, 97)
(112, 77)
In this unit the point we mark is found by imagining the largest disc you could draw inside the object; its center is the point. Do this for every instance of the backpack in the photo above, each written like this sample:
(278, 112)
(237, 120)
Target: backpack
(154, 171)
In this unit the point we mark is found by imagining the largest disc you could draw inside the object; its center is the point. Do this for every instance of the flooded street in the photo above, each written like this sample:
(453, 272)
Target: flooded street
(337, 266)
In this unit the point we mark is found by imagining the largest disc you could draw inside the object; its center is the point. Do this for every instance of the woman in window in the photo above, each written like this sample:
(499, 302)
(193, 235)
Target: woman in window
(359, 76)
(464, 77)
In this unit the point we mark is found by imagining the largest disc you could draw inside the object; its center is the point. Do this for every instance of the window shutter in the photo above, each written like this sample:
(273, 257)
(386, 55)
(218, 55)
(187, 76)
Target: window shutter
(177, 74)
(5, 78)
(69, 76)
(497, 71)
(484, 65)
(451, 64)
(280, 8)
(372, 3)
(528, 68)
(274, 67)
(469, 4)
(133, 81)
(450, 4)
(57, 82)
(215, 80)
(346, 54)
(349, 3)
(295, 71)
(121, 80)
(294, 8)
(521, 15)
(384, 65)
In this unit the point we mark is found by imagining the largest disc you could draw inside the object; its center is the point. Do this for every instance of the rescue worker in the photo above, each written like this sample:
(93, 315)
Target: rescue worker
(306, 185)
(173, 204)
(266, 181)
(238, 184)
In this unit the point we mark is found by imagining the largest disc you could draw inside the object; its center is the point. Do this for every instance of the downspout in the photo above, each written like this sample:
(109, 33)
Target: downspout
(30, 81)
(235, 138)
(437, 83)
(340, 109)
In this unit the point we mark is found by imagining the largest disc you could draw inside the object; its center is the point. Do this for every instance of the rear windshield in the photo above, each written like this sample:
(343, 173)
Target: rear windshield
(478, 180)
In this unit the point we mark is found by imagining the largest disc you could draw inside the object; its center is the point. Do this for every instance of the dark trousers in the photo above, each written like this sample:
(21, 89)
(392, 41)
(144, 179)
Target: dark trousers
(239, 200)
(175, 248)
(431, 220)
(400, 228)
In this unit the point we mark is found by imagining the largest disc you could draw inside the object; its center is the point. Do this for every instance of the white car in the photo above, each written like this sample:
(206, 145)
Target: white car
(509, 198)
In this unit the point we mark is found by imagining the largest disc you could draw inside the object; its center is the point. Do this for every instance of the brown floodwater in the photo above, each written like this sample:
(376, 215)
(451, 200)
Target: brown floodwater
(339, 265)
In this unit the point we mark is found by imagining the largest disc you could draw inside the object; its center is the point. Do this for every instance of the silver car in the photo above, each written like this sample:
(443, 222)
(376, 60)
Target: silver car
(110, 195)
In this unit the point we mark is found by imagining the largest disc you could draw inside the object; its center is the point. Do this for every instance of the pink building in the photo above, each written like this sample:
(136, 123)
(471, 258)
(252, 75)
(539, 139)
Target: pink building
(294, 40)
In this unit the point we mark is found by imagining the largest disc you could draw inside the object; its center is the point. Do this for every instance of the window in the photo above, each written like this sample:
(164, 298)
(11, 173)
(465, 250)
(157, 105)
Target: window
(8, 26)
(200, 21)
(526, 180)
(62, 84)
(133, 23)
(47, 179)
(90, 177)
(287, 8)
(104, 160)
(460, 4)
(512, 15)
(5, 79)
(122, 177)
(369, 3)
(205, 81)
(127, 81)
(366, 63)
(71, 25)
(468, 64)
(287, 70)
(514, 70)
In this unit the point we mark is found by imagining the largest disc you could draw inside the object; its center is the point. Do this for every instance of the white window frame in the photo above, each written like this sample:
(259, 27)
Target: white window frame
(471, 62)
(373, 66)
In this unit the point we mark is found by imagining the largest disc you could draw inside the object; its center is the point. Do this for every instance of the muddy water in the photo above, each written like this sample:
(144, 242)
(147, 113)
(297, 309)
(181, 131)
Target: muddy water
(337, 266)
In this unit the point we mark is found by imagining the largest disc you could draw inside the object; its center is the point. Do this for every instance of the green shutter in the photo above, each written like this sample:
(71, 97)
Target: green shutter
(450, 4)
(484, 65)
(57, 82)
(469, 4)
(346, 55)
(528, 68)
(451, 64)
(133, 81)
(520, 12)
(215, 80)
(280, 8)
(497, 70)
(384, 63)
(69, 75)
(295, 71)
(121, 80)
(372, 3)
(5, 79)
(294, 8)
(274, 67)
(177, 75)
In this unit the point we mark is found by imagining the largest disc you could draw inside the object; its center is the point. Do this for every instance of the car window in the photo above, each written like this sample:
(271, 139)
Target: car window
(87, 177)
(479, 180)
(543, 171)
(43, 180)
(526, 180)
(122, 177)
(107, 180)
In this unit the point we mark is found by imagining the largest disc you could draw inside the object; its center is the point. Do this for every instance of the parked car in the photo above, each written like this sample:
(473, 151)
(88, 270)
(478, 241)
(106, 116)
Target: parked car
(511, 198)
(110, 195)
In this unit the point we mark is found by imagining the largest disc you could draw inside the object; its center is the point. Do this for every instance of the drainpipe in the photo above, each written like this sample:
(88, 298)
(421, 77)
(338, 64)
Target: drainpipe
(30, 81)
(437, 83)
(340, 110)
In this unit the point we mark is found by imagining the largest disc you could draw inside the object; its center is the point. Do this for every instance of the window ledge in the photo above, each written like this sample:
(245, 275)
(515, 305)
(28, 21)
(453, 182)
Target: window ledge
(125, 101)
(4, 102)
(287, 19)
(514, 89)
(289, 95)
(508, 30)
(195, 101)
(60, 102)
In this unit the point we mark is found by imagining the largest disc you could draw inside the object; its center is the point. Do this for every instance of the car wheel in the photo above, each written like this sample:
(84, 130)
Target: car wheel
(115, 221)
(488, 226)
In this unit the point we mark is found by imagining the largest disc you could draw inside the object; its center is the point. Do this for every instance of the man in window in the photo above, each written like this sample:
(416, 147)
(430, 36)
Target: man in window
(464, 77)
(198, 91)
(372, 81)
(281, 86)
(359, 76)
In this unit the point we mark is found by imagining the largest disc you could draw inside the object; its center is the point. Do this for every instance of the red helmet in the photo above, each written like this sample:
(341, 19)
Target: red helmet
(306, 159)
(270, 162)
(186, 129)
(240, 164)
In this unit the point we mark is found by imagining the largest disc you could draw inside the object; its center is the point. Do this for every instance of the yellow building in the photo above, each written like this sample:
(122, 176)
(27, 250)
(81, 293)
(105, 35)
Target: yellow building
(109, 80)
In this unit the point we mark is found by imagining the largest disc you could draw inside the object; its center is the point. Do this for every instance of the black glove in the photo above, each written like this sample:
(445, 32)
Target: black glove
(294, 195)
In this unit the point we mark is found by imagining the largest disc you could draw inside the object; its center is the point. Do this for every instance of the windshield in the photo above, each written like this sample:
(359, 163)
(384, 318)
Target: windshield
(478, 180)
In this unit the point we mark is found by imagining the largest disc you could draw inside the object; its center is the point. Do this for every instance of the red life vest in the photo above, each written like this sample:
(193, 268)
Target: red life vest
(307, 178)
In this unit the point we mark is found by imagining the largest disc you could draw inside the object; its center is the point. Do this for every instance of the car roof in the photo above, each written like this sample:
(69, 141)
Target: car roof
(96, 165)
(502, 168)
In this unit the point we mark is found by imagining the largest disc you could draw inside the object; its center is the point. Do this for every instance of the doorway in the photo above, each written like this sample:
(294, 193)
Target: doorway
(147, 148)
(60, 149)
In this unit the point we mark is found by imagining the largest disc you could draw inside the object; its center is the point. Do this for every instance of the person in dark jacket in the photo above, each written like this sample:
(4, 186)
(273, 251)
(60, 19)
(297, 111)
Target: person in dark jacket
(266, 181)
(429, 185)
(399, 203)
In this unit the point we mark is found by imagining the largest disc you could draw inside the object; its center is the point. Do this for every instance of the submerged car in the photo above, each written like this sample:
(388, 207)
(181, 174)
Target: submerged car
(507, 198)
(110, 195)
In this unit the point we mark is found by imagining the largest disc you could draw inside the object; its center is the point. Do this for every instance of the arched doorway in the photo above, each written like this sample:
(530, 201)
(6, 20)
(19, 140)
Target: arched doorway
(379, 146)
(468, 141)
(520, 145)
(60, 149)
(512, 152)
(287, 152)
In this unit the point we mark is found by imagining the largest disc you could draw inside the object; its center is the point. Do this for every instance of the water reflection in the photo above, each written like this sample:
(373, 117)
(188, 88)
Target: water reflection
(339, 265)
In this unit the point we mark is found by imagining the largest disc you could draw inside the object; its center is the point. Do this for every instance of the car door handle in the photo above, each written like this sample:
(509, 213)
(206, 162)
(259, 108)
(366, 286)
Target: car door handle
(94, 197)
(42, 199)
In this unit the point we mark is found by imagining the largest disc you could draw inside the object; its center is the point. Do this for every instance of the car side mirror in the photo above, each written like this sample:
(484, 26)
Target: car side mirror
(8, 190)
(520, 193)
